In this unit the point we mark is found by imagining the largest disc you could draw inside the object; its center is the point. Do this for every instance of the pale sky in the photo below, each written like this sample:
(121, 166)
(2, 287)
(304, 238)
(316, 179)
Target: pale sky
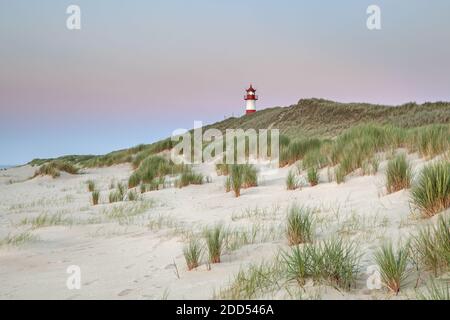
(137, 70)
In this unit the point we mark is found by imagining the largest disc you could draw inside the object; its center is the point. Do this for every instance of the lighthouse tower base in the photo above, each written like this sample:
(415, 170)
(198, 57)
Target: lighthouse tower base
(249, 111)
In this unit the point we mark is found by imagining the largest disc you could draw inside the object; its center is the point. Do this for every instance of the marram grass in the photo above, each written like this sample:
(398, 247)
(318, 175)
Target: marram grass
(431, 247)
(398, 174)
(334, 262)
(299, 227)
(393, 266)
(313, 176)
(214, 238)
(95, 197)
(91, 185)
(291, 180)
(431, 193)
(192, 254)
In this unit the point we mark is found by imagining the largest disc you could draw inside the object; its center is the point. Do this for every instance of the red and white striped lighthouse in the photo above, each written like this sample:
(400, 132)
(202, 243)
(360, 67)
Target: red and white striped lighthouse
(251, 98)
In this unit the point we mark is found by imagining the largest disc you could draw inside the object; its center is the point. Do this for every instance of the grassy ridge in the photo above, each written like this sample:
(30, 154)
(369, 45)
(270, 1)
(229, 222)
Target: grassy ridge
(308, 118)
(324, 118)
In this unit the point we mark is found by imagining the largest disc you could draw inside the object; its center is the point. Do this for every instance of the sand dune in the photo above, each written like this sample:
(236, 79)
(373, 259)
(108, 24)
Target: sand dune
(135, 252)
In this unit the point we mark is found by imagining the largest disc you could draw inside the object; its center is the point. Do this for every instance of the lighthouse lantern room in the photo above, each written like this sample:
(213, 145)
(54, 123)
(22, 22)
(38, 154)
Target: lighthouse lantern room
(250, 98)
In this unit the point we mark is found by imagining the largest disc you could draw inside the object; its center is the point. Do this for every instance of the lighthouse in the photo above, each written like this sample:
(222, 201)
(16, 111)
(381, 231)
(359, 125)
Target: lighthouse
(250, 98)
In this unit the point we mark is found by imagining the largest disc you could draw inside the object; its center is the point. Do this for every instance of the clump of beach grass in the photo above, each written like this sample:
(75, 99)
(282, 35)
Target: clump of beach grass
(333, 262)
(393, 266)
(54, 168)
(431, 193)
(430, 247)
(435, 291)
(398, 174)
(115, 196)
(214, 238)
(192, 254)
(228, 184)
(253, 282)
(315, 158)
(189, 177)
(95, 197)
(91, 185)
(236, 179)
(291, 180)
(298, 264)
(296, 150)
(121, 189)
(432, 140)
(249, 176)
(241, 176)
(151, 168)
(339, 174)
(313, 176)
(132, 195)
(134, 180)
(18, 239)
(299, 225)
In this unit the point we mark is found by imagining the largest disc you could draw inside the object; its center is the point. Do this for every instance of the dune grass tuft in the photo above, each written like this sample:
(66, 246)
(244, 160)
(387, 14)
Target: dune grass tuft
(253, 282)
(189, 177)
(431, 247)
(339, 174)
(435, 291)
(431, 193)
(249, 176)
(91, 185)
(228, 184)
(333, 261)
(296, 150)
(291, 180)
(192, 254)
(236, 179)
(393, 266)
(215, 241)
(432, 140)
(95, 197)
(398, 174)
(132, 195)
(298, 264)
(54, 169)
(115, 196)
(151, 169)
(313, 176)
(118, 194)
(299, 225)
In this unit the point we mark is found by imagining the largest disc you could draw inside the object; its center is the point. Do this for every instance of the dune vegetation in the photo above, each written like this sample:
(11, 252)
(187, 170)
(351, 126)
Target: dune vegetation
(400, 157)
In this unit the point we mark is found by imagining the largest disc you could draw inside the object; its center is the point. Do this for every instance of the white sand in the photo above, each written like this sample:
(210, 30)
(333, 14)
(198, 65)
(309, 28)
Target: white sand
(127, 259)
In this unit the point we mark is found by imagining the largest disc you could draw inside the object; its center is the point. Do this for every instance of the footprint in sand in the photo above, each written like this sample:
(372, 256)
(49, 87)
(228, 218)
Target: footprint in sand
(125, 292)
(90, 282)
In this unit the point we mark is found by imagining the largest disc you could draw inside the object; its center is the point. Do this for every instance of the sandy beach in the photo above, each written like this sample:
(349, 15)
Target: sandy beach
(134, 249)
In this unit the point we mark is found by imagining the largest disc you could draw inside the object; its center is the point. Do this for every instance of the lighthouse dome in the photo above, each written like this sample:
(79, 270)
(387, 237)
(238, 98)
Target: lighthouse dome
(251, 89)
